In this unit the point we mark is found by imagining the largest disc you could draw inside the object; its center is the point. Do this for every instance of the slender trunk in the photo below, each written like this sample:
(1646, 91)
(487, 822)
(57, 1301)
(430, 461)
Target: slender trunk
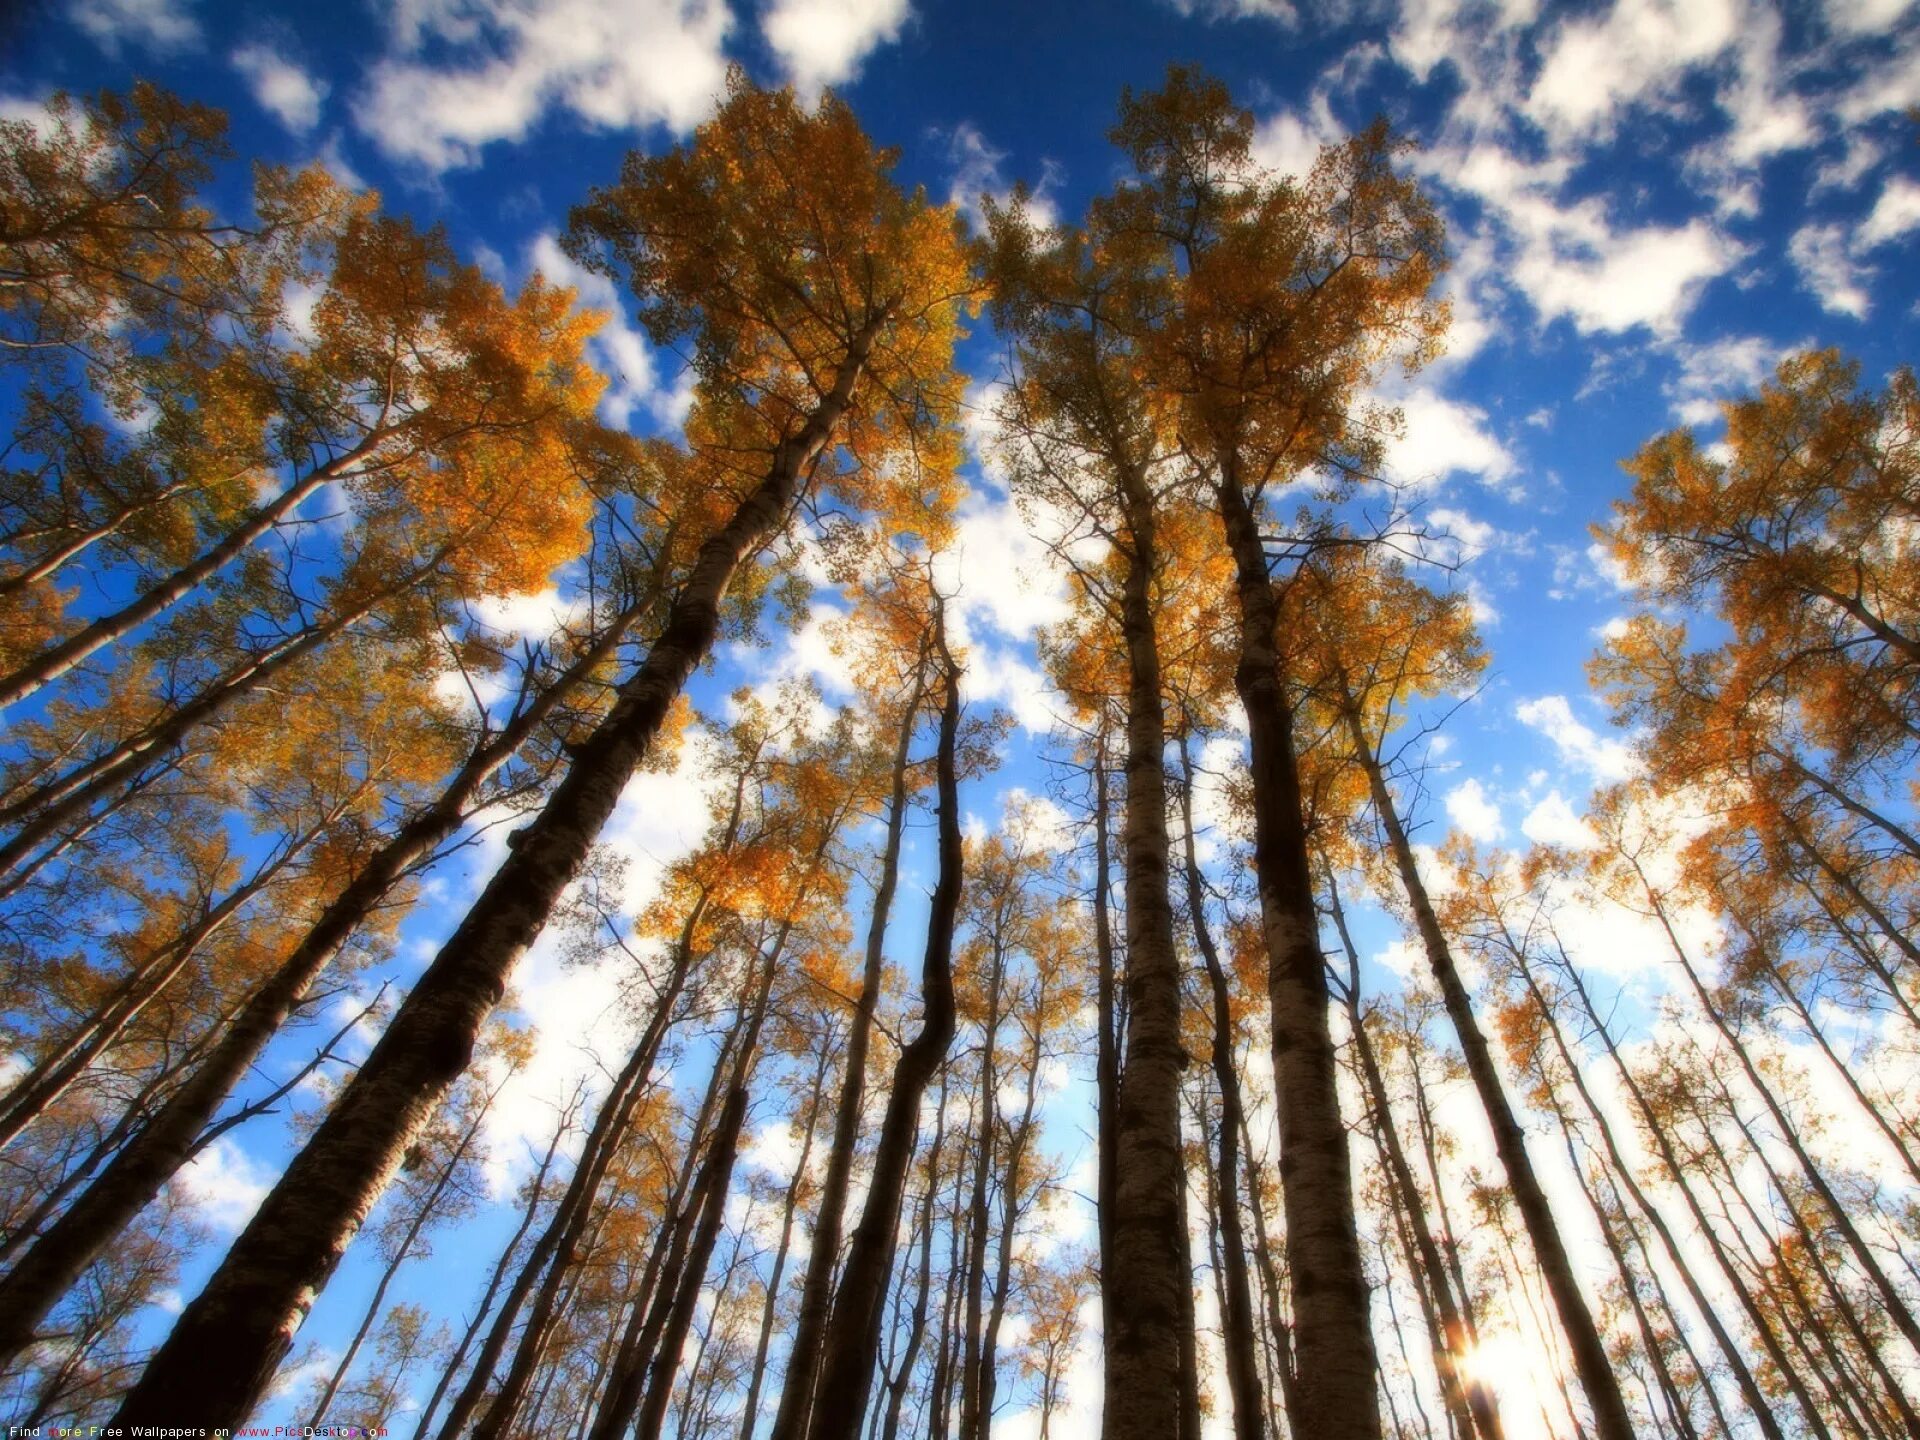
(222, 1352)
(940, 1383)
(1789, 992)
(750, 1410)
(1857, 943)
(1243, 1368)
(154, 1156)
(1400, 1343)
(1629, 1282)
(422, 1217)
(816, 1294)
(1272, 1290)
(553, 1255)
(685, 1223)
(69, 798)
(1011, 1209)
(1808, 1331)
(985, 1134)
(52, 1079)
(1333, 1333)
(1896, 934)
(1836, 1294)
(846, 1366)
(1460, 1422)
(1757, 1402)
(55, 661)
(917, 1324)
(1590, 1362)
(536, 1188)
(1888, 826)
(79, 541)
(1107, 1058)
(1146, 1373)
(1895, 1303)
(715, 1182)
(1463, 1395)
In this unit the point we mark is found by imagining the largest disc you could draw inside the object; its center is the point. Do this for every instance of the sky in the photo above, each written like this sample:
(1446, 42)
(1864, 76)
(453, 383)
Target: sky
(1648, 205)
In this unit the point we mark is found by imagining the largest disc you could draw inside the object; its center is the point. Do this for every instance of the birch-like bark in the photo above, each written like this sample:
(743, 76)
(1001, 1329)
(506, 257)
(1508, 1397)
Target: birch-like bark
(166, 1142)
(1334, 1392)
(853, 1344)
(1610, 1417)
(220, 1357)
(816, 1294)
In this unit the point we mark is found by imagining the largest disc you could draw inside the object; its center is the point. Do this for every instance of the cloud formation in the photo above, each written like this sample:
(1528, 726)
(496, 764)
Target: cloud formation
(497, 72)
(280, 86)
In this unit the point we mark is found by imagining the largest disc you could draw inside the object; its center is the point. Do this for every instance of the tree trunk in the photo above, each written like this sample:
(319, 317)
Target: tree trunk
(1756, 1400)
(1151, 1269)
(534, 1192)
(1011, 1210)
(715, 1182)
(1332, 1329)
(553, 1254)
(55, 661)
(222, 1352)
(1896, 1308)
(1240, 1339)
(166, 1142)
(1462, 1394)
(917, 1324)
(1611, 1420)
(750, 1410)
(68, 798)
(421, 1218)
(683, 1225)
(54, 1076)
(846, 1365)
(816, 1294)
(1107, 1057)
(985, 1133)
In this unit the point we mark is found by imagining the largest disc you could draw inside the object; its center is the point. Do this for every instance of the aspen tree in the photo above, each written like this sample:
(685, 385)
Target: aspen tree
(800, 382)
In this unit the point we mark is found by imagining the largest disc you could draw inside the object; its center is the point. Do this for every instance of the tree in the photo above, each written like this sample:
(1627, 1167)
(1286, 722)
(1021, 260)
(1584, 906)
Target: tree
(879, 337)
(1288, 296)
(1386, 640)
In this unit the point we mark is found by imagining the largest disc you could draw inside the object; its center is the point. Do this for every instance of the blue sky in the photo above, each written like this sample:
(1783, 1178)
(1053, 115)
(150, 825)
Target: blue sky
(1649, 204)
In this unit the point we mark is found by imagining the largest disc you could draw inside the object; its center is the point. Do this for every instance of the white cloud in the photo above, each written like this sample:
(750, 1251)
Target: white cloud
(823, 42)
(1289, 143)
(1604, 759)
(1718, 370)
(1637, 52)
(1475, 812)
(1895, 213)
(977, 174)
(613, 64)
(1006, 576)
(1003, 675)
(635, 384)
(1570, 258)
(1864, 17)
(1827, 268)
(1886, 85)
(280, 86)
(1608, 281)
(1553, 822)
(224, 1185)
(157, 25)
(1445, 437)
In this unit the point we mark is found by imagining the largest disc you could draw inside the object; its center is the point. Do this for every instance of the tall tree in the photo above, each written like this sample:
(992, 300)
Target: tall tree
(846, 1368)
(783, 376)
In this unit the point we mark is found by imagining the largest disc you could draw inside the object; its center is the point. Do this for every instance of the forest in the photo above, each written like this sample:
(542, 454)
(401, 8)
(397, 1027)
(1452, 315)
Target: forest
(340, 617)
